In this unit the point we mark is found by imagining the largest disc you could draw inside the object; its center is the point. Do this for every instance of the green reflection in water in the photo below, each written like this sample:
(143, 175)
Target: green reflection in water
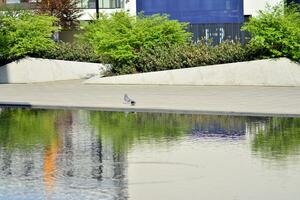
(278, 138)
(272, 138)
(24, 128)
(123, 130)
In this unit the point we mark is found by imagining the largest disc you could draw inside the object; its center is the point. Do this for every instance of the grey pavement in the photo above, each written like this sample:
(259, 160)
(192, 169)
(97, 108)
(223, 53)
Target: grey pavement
(233, 100)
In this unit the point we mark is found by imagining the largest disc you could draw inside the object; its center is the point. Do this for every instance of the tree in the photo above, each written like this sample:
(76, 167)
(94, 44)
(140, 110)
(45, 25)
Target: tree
(120, 37)
(277, 31)
(24, 33)
(66, 11)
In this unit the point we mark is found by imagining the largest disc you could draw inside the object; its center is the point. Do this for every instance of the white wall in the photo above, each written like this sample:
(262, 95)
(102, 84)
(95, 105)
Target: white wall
(33, 70)
(251, 7)
(130, 6)
(89, 14)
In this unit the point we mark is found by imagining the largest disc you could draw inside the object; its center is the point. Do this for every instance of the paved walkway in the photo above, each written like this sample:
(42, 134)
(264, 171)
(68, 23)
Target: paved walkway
(183, 99)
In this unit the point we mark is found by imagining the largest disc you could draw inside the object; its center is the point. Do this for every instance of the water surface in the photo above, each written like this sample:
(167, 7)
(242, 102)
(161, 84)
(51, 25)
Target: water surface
(61, 154)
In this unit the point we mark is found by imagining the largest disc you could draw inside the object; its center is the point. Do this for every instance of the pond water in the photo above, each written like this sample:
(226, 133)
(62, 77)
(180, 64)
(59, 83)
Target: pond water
(61, 154)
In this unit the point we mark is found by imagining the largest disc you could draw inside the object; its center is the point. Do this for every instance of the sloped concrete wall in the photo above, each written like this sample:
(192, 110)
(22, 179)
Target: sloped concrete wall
(33, 70)
(269, 72)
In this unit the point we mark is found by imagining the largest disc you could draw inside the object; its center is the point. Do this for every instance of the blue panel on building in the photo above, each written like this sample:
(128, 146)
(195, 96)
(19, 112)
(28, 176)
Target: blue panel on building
(196, 11)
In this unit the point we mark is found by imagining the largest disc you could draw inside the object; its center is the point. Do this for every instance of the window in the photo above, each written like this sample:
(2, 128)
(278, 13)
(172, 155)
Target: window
(12, 1)
(103, 4)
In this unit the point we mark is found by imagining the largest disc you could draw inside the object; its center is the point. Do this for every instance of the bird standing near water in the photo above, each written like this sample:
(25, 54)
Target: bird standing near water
(128, 100)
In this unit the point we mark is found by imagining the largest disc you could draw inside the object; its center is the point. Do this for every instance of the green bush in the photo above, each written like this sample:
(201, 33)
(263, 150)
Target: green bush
(229, 52)
(191, 55)
(276, 32)
(158, 58)
(23, 33)
(119, 38)
(80, 52)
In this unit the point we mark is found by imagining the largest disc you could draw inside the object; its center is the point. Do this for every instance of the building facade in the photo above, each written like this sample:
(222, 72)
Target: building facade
(203, 11)
(106, 6)
(217, 20)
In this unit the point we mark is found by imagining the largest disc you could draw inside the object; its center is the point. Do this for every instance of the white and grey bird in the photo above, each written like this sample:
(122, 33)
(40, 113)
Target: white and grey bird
(128, 100)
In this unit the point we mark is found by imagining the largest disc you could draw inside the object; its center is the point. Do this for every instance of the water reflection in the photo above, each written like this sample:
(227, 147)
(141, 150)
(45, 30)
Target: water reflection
(125, 129)
(60, 150)
(25, 129)
(85, 155)
(276, 138)
(219, 127)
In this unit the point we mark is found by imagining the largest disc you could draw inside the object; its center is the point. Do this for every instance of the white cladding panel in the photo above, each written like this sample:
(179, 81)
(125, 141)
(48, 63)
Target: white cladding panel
(251, 7)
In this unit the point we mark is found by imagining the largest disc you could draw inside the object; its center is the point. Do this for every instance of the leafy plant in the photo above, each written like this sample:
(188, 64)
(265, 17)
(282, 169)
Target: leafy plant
(120, 37)
(276, 31)
(23, 33)
(191, 55)
(76, 51)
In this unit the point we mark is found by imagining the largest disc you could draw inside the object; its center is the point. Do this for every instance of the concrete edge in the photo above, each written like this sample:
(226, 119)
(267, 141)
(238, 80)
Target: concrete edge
(263, 72)
(144, 110)
(35, 70)
(181, 85)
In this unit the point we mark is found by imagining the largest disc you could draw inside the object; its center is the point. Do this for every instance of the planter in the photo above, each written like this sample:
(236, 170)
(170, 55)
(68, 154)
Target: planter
(269, 72)
(34, 70)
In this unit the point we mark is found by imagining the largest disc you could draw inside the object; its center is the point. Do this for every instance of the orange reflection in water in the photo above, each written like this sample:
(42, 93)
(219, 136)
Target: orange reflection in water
(62, 123)
(50, 165)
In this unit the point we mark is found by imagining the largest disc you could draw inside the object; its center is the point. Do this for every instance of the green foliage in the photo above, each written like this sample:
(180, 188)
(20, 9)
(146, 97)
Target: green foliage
(24, 129)
(125, 130)
(80, 52)
(120, 37)
(276, 31)
(155, 43)
(159, 58)
(23, 33)
(192, 55)
(279, 138)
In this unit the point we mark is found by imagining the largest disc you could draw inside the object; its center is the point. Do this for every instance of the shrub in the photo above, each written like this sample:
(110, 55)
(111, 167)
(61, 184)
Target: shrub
(23, 33)
(120, 37)
(276, 32)
(191, 55)
(71, 51)
(229, 52)
(158, 58)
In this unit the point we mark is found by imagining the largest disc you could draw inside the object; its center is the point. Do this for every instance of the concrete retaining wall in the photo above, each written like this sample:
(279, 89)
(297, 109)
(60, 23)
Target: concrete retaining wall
(269, 72)
(32, 70)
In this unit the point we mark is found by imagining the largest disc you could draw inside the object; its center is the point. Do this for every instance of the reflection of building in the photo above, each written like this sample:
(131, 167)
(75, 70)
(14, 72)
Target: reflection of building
(49, 168)
(84, 157)
(256, 127)
(77, 158)
(219, 127)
